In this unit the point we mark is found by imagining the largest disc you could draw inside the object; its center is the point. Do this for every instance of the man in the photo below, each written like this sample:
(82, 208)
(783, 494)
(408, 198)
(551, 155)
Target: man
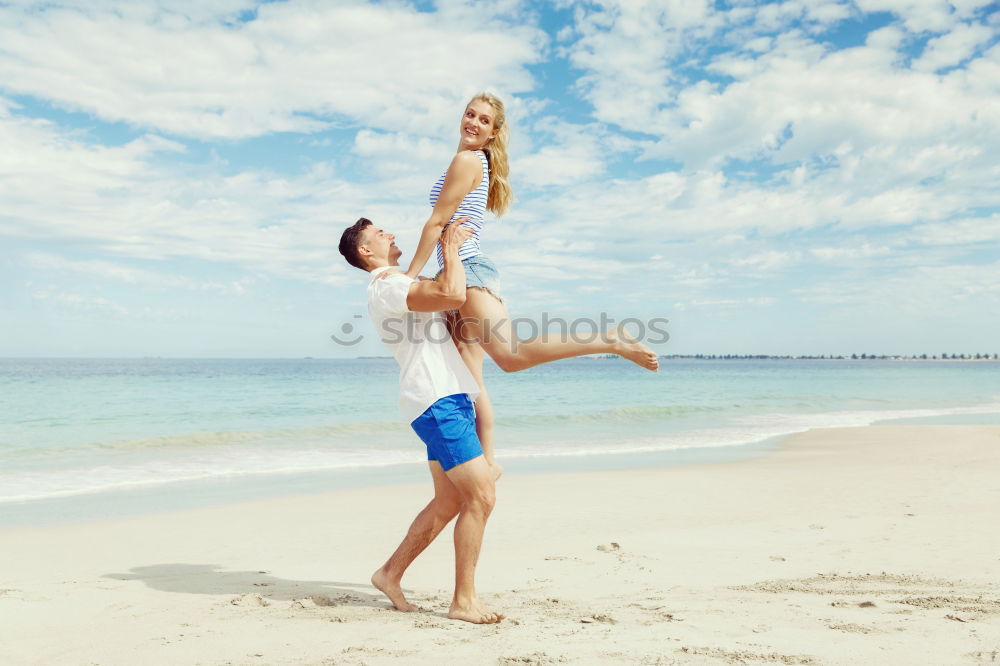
(436, 394)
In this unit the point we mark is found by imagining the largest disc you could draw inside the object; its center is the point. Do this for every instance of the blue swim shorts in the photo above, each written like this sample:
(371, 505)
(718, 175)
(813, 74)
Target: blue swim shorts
(448, 428)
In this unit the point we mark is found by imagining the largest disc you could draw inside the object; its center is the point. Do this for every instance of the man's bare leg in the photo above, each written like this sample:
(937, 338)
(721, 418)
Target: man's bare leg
(425, 527)
(474, 481)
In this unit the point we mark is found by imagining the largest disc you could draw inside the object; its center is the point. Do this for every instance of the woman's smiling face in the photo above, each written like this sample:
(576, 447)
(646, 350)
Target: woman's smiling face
(478, 125)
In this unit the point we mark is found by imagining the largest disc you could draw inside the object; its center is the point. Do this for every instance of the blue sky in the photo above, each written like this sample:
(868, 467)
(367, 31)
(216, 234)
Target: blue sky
(783, 177)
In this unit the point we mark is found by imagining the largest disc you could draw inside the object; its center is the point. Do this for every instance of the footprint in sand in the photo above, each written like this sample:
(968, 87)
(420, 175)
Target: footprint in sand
(851, 628)
(603, 619)
(251, 599)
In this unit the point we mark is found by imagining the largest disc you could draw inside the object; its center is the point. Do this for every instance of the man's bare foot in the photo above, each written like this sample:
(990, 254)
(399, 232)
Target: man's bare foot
(392, 590)
(474, 612)
(627, 347)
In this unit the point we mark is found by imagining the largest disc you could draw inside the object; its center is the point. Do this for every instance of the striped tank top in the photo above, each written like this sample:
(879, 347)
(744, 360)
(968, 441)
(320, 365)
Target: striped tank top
(473, 206)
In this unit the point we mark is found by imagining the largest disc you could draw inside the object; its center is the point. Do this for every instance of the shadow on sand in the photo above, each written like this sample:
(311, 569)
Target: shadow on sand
(213, 579)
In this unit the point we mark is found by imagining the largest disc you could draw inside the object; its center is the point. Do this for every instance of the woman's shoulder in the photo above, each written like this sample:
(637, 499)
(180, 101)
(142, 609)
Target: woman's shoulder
(468, 160)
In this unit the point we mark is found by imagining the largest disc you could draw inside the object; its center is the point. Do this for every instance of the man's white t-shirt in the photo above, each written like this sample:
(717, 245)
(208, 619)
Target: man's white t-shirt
(430, 367)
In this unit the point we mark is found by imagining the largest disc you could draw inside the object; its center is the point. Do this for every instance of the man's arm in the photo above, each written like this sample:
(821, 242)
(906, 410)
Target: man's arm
(447, 292)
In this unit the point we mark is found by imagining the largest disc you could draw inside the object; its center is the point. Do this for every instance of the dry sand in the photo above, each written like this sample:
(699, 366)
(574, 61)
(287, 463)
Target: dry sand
(875, 545)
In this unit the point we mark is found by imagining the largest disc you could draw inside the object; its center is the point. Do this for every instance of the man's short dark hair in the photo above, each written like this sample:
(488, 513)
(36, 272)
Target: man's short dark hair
(351, 239)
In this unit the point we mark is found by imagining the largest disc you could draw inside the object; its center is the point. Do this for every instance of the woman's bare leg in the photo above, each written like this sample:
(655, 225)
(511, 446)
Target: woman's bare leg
(484, 318)
(472, 354)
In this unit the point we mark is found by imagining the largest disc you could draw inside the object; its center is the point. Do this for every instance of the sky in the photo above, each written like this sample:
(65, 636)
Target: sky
(785, 177)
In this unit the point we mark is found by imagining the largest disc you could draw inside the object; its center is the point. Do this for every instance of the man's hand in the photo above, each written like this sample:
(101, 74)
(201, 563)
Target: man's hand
(455, 234)
(447, 291)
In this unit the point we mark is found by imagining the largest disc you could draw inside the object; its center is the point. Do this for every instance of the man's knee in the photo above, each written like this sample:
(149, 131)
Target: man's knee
(446, 508)
(482, 500)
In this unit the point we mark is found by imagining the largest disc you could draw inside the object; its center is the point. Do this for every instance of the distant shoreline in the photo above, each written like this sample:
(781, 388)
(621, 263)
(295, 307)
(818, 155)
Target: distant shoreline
(830, 357)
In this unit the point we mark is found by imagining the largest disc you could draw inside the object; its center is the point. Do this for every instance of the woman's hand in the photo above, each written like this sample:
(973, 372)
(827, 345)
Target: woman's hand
(392, 271)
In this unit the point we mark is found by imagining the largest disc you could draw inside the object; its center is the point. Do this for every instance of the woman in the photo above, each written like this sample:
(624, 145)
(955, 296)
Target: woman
(476, 181)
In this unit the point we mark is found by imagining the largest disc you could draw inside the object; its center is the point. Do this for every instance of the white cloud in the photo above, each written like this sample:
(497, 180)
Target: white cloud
(849, 254)
(916, 15)
(829, 12)
(769, 261)
(725, 303)
(797, 102)
(638, 56)
(573, 154)
(937, 290)
(558, 165)
(165, 11)
(529, 264)
(387, 66)
(405, 165)
(953, 47)
(967, 231)
(868, 140)
(80, 302)
(677, 206)
(121, 200)
(624, 49)
(118, 272)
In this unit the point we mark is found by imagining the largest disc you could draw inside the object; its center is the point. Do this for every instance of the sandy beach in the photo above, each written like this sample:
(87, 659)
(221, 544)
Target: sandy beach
(874, 545)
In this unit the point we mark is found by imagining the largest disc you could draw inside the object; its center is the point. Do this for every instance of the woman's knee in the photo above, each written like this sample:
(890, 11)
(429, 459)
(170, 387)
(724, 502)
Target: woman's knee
(507, 360)
(504, 354)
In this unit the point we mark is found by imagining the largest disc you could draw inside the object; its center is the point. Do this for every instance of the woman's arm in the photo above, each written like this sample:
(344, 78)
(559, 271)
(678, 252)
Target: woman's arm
(462, 177)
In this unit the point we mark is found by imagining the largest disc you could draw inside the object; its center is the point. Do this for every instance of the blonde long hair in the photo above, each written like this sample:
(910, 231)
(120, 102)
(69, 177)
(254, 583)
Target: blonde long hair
(500, 195)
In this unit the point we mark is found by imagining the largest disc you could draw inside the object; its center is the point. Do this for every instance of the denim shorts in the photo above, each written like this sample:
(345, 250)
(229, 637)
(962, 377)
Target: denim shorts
(448, 428)
(480, 271)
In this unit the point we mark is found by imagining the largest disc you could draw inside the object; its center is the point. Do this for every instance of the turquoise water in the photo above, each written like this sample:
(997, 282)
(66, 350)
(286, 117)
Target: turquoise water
(94, 437)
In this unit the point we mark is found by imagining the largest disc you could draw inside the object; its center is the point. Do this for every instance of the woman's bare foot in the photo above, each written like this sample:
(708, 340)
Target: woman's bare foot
(391, 589)
(474, 612)
(627, 347)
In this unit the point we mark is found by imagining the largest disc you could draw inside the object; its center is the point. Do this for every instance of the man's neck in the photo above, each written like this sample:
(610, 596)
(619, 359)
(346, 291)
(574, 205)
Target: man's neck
(381, 263)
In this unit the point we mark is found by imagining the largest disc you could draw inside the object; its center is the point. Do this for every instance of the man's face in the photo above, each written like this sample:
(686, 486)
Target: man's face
(380, 244)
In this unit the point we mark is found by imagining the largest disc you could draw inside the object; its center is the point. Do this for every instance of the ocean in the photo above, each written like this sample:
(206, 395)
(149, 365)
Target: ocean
(87, 439)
